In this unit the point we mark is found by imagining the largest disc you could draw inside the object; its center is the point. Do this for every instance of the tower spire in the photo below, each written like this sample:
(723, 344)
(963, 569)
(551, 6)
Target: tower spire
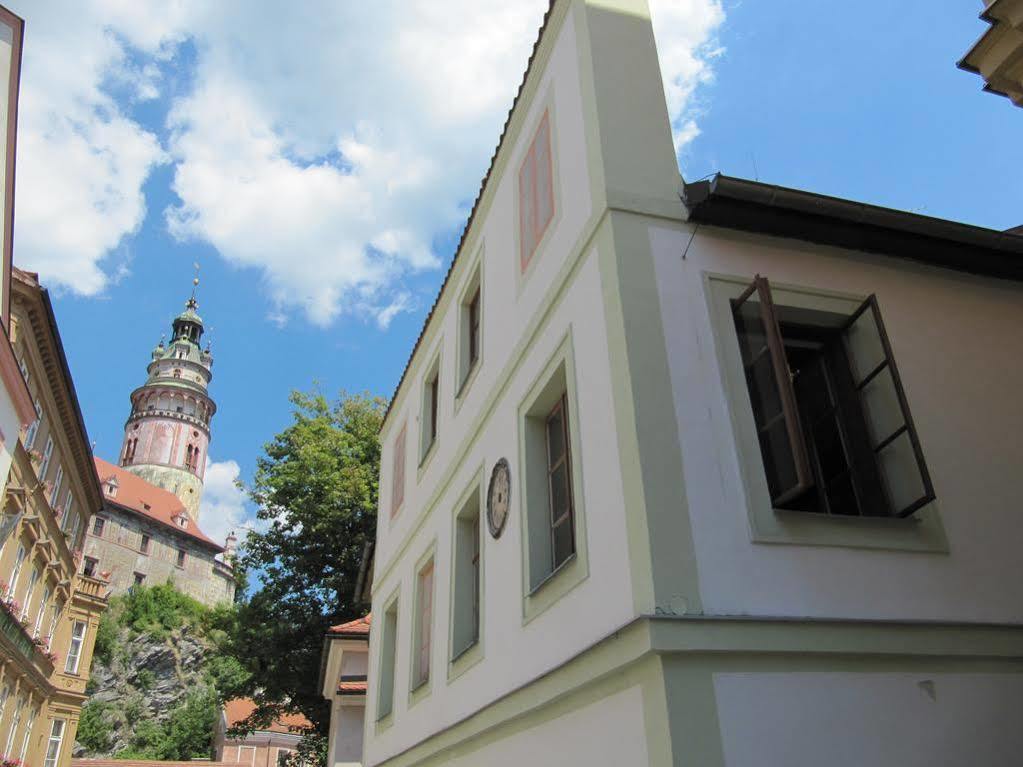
(167, 433)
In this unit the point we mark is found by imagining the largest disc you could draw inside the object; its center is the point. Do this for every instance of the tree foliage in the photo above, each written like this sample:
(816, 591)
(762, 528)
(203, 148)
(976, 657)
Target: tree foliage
(315, 489)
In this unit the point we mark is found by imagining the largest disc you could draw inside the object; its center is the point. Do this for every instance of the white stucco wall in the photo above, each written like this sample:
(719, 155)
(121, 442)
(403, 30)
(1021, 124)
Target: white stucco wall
(607, 733)
(953, 337)
(346, 724)
(602, 602)
(881, 719)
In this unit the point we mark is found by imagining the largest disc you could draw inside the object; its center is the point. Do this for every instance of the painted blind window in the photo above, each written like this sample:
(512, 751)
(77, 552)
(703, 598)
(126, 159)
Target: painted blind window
(54, 743)
(28, 734)
(424, 618)
(33, 581)
(74, 653)
(23, 367)
(836, 435)
(19, 561)
(47, 455)
(33, 429)
(15, 724)
(398, 471)
(536, 193)
(47, 593)
(58, 480)
(65, 513)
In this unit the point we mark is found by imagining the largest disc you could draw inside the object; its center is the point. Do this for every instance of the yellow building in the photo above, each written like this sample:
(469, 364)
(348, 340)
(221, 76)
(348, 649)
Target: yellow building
(48, 613)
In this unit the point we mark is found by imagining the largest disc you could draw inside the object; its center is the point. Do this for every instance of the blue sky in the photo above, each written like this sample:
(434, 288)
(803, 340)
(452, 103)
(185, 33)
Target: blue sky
(320, 168)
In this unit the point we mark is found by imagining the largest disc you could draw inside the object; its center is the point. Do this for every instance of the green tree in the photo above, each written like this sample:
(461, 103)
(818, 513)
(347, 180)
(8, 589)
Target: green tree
(315, 489)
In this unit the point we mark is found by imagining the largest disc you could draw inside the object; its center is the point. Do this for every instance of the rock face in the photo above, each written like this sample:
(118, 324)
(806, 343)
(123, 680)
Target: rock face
(146, 678)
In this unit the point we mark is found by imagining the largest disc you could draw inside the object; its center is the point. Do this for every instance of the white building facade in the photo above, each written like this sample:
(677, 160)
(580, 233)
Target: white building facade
(600, 542)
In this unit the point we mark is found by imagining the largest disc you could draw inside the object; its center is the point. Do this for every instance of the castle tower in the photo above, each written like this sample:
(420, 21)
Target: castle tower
(168, 432)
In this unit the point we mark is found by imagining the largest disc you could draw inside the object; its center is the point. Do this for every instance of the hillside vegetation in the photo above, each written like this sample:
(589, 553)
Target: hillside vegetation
(157, 678)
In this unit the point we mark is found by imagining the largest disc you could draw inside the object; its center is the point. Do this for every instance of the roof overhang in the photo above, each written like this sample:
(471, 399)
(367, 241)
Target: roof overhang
(756, 207)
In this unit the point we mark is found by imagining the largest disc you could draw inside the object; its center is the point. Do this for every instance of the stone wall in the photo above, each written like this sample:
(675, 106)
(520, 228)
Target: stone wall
(119, 551)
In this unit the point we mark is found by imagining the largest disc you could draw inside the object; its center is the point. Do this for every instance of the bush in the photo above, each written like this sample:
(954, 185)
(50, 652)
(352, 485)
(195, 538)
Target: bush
(106, 638)
(158, 610)
(94, 731)
(187, 734)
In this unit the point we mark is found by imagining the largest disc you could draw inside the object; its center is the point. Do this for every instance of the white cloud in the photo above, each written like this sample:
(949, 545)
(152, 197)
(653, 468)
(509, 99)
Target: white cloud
(81, 160)
(223, 507)
(326, 149)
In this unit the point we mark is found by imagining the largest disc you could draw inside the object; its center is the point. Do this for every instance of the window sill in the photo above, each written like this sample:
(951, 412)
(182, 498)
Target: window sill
(465, 660)
(554, 586)
(384, 722)
(922, 532)
(424, 461)
(467, 381)
(552, 575)
(417, 693)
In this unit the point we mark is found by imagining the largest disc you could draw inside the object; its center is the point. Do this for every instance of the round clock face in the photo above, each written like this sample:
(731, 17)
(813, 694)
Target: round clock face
(499, 498)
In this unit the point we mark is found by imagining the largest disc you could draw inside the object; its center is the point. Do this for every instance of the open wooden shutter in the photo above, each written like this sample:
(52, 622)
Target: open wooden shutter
(894, 440)
(770, 390)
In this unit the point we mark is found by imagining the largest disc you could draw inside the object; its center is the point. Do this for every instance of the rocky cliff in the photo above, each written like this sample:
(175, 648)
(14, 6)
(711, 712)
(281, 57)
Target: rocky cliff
(153, 686)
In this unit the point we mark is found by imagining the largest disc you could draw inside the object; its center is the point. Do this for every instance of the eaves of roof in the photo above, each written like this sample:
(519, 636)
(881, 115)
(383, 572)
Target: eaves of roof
(753, 206)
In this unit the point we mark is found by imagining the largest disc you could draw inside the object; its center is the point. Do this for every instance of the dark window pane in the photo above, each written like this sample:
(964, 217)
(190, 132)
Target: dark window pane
(564, 542)
(559, 492)
(763, 389)
(830, 452)
(841, 496)
(555, 437)
(778, 462)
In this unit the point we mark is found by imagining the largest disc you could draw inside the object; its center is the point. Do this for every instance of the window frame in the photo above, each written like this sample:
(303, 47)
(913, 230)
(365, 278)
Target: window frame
(545, 586)
(923, 531)
(471, 503)
(386, 661)
(430, 408)
(70, 668)
(420, 676)
(466, 363)
(99, 525)
(144, 543)
(54, 760)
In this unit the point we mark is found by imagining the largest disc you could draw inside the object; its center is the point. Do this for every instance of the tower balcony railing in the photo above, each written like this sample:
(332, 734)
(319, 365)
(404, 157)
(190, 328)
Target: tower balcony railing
(162, 413)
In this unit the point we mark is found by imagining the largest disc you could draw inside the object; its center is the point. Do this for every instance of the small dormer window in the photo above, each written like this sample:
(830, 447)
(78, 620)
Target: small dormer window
(111, 487)
(182, 520)
(146, 506)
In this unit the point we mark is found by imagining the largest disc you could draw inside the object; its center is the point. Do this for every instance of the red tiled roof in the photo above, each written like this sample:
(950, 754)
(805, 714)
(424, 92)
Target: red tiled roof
(357, 628)
(148, 763)
(239, 709)
(150, 501)
(351, 688)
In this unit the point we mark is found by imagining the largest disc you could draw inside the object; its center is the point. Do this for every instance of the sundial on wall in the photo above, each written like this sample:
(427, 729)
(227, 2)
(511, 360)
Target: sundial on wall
(498, 497)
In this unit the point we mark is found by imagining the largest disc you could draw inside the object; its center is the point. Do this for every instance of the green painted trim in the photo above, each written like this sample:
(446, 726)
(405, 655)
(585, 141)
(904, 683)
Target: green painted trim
(652, 461)
(510, 140)
(800, 637)
(636, 527)
(474, 278)
(383, 722)
(426, 452)
(608, 666)
(537, 323)
(923, 532)
(691, 703)
(656, 652)
(473, 654)
(575, 570)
